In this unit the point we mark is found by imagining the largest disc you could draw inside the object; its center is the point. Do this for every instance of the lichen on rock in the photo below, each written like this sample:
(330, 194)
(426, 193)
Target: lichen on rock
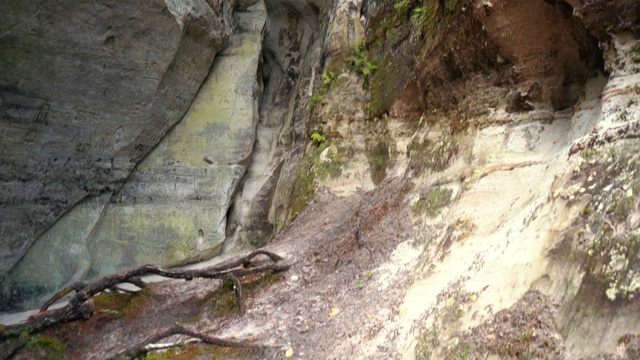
(609, 245)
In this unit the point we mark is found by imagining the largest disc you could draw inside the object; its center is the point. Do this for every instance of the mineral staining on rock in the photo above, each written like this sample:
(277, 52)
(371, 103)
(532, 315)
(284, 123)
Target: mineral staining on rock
(86, 90)
(185, 185)
(187, 182)
(59, 258)
(532, 245)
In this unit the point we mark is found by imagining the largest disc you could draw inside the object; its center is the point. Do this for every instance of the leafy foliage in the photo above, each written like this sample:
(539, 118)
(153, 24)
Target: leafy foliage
(427, 14)
(327, 78)
(317, 97)
(401, 4)
(360, 62)
(318, 138)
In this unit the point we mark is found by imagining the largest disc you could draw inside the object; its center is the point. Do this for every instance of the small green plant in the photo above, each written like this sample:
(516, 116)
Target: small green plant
(318, 138)
(427, 15)
(385, 23)
(327, 78)
(360, 284)
(317, 97)
(376, 161)
(401, 4)
(360, 62)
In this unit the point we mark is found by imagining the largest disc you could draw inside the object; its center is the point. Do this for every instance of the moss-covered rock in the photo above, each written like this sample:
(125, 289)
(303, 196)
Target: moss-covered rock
(430, 154)
(46, 348)
(432, 202)
(319, 162)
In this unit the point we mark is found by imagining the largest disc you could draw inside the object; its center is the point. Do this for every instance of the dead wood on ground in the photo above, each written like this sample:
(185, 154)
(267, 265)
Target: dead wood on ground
(232, 270)
(178, 329)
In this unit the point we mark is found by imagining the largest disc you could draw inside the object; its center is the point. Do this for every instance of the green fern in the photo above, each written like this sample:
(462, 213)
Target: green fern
(401, 4)
(318, 138)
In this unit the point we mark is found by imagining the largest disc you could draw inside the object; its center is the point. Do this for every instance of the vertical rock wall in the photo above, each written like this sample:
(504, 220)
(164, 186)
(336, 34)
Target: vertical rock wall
(211, 177)
(87, 88)
(292, 30)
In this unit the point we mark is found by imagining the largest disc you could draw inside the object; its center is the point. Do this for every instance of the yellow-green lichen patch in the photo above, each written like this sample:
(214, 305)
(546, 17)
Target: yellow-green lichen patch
(204, 351)
(344, 98)
(329, 163)
(438, 340)
(432, 202)
(311, 168)
(118, 305)
(428, 154)
(524, 331)
(609, 245)
(44, 347)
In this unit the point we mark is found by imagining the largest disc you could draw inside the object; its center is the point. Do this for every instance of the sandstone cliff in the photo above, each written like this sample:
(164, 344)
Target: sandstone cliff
(448, 179)
(87, 89)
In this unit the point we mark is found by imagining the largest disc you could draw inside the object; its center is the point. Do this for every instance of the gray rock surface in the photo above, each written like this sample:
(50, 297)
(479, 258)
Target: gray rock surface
(213, 175)
(292, 28)
(173, 208)
(87, 89)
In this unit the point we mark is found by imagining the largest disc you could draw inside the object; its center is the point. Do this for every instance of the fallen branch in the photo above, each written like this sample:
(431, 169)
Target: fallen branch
(178, 329)
(627, 131)
(232, 270)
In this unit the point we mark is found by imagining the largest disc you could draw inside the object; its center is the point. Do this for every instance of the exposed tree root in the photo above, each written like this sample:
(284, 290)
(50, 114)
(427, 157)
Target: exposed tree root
(178, 329)
(232, 270)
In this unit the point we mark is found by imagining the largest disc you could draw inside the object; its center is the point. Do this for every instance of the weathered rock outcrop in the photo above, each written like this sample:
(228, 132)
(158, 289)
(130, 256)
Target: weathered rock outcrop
(87, 89)
(477, 162)
(211, 177)
(292, 29)
(508, 197)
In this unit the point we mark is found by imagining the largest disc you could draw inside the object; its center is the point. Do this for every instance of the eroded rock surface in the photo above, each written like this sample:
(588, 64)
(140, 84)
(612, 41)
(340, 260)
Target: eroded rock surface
(86, 90)
(447, 191)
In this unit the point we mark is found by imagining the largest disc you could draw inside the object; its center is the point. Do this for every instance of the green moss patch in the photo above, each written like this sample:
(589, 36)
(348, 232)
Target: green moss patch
(44, 347)
(118, 305)
(203, 351)
(432, 202)
(225, 303)
(429, 154)
(310, 169)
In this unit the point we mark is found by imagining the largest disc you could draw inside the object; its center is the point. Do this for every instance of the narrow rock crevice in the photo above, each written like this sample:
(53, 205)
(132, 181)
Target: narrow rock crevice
(290, 28)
